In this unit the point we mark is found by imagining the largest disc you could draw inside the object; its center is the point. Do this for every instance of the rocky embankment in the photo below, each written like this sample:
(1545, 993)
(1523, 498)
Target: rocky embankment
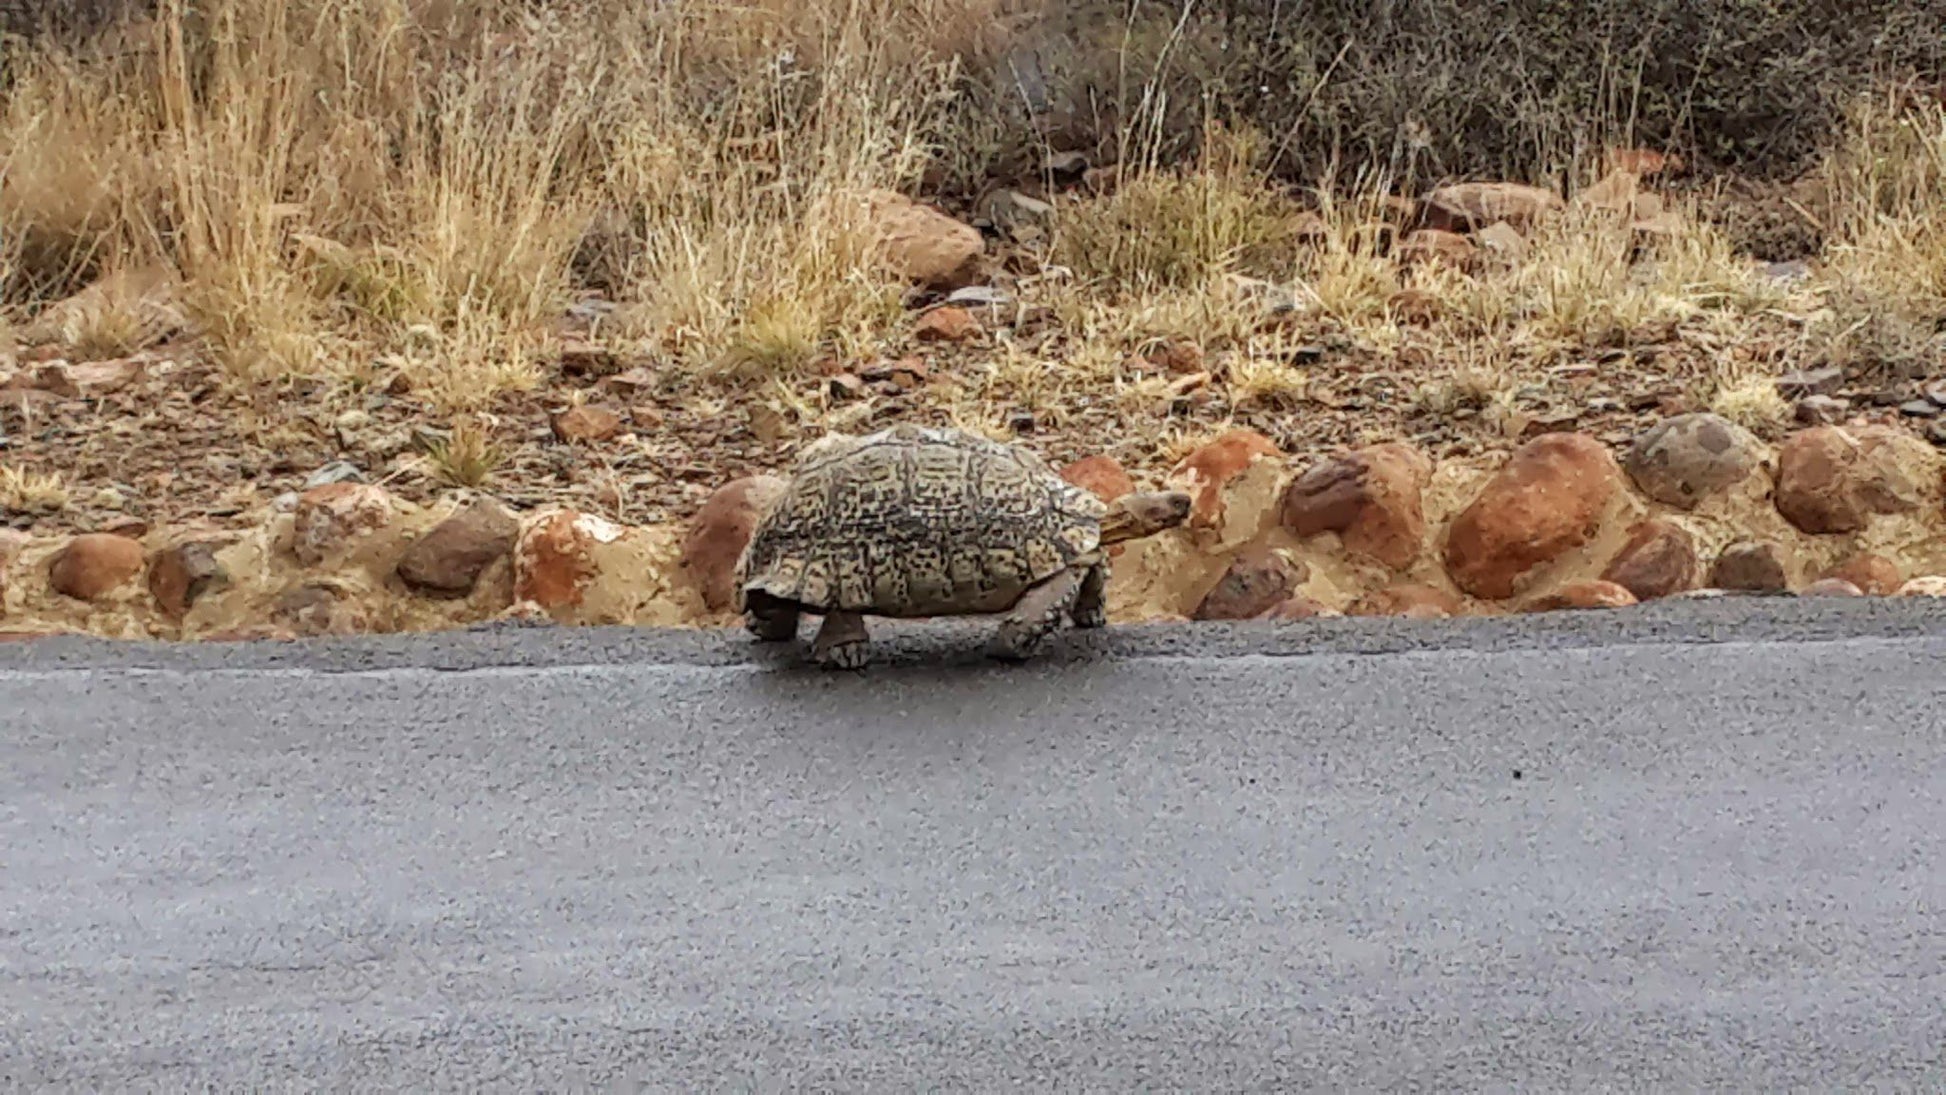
(1691, 506)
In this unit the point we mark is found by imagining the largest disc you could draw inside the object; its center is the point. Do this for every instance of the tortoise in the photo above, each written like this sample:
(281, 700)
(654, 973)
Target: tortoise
(918, 521)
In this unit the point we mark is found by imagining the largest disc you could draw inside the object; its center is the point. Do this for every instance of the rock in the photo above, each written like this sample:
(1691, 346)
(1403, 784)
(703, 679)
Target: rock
(1373, 498)
(1836, 479)
(1809, 382)
(1919, 408)
(552, 567)
(1409, 599)
(1548, 500)
(181, 574)
(327, 518)
(1464, 207)
(1831, 587)
(1297, 607)
(448, 561)
(1930, 585)
(947, 324)
(1685, 459)
(1207, 470)
(1658, 560)
(1256, 581)
(314, 609)
(87, 379)
(921, 244)
(1874, 574)
(1428, 246)
(1752, 566)
(93, 565)
(718, 533)
(587, 424)
(1503, 241)
(1102, 474)
(1820, 410)
(1593, 593)
(338, 471)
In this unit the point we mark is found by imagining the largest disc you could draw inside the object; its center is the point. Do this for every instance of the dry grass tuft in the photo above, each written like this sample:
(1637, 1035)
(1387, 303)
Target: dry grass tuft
(467, 457)
(30, 492)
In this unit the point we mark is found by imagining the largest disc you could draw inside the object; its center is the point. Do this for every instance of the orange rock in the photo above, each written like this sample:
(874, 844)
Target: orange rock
(1209, 469)
(587, 424)
(1373, 498)
(1837, 478)
(328, 517)
(1548, 500)
(1256, 581)
(181, 574)
(719, 532)
(1432, 245)
(552, 567)
(1874, 574)
(94, 564)
(1646, 162)
(1463, 207)
(921, 244)
(1409, 599)
(1591, 593)
(1102, 474)
(315, 609)
(948, 324)
(1658, 560)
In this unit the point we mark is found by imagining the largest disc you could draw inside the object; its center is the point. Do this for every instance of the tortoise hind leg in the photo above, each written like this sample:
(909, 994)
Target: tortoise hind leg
(1090, 604)
(769, 618)
(841, 641)
(1035, 616)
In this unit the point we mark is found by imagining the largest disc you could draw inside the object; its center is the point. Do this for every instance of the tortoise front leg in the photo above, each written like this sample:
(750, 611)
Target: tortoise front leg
(771, 620)
(1035, 616)
(841, 641)
(1090, 604)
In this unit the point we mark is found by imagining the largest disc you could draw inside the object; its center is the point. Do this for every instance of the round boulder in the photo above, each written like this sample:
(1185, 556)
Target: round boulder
(1548, 500)
(93, 565)
(1834, 479)
(1658, 560)
(1685, 459)
(1373, 498)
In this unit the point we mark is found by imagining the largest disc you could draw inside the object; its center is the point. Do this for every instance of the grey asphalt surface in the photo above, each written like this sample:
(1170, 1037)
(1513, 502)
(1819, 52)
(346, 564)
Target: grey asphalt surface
(1682, 846)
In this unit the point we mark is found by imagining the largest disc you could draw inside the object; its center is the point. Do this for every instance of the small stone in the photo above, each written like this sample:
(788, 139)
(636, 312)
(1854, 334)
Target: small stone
(1022, 422)
(447, 562)
(327, 518)
(1936, 391)
(921, 244)
(1256, 581)
(1833, 479)
(720, 531)
(1752, 566)
(1101, 474)
(1431, 246)
(984, 295)
(1807, 382)
(1919, 408)
(351, 421)
(845, 386)
(1465, 207)
(947, 324)
(1373, 498)
(1685, 459)
(1583, 594)
(1874, 574)
(1412, 600)
(582, 358)
(338, 471)
(182, 574)
(1831, 587)
(94, 564)
(1547, 500)
(1502, 241)
(1929, 585)
(1659, 559)
(587, 424)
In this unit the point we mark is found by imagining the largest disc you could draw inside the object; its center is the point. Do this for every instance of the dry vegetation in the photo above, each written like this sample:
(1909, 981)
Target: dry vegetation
(367, 230)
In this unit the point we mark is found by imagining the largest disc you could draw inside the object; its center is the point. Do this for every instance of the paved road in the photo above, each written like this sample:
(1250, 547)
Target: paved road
(1685, 846)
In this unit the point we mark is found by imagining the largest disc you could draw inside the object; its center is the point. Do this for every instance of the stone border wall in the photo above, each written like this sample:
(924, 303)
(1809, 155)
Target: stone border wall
(1693, 507)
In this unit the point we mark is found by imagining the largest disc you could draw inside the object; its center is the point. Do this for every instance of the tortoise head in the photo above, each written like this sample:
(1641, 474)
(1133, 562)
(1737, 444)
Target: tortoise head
(1133, 516)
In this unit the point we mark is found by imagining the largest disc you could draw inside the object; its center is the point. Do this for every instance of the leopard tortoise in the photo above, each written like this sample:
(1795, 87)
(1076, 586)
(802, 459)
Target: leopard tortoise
(917, 521)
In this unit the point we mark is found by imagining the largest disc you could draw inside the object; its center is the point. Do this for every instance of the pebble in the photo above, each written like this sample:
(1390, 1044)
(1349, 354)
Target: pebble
(1919, 408)
(338, 471)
